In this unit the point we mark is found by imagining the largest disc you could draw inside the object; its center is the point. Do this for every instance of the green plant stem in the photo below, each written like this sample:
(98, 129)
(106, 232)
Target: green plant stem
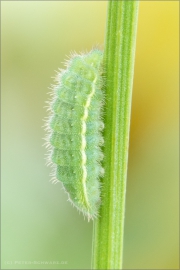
(119, 56)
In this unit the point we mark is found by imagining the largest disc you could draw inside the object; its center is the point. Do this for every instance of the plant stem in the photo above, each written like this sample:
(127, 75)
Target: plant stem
(119, 56)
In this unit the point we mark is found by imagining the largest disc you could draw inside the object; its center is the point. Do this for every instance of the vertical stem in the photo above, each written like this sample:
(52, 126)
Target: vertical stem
(118, 73)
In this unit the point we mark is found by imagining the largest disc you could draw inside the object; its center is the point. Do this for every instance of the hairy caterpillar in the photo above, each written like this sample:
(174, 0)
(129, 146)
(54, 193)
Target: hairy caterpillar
(74, 130)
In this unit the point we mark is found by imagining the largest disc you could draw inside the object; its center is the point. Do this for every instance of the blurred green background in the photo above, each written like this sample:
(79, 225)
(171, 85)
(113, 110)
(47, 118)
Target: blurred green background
(40, 229)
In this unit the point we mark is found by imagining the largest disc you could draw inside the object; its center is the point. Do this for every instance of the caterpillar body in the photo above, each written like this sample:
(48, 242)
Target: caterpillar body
(75, 127)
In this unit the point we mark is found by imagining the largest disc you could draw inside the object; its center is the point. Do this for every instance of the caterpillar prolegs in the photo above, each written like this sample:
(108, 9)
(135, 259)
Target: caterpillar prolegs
(75, 130)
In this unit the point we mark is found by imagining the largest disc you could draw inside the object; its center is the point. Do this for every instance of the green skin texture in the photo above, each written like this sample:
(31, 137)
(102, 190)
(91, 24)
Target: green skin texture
(76, 127)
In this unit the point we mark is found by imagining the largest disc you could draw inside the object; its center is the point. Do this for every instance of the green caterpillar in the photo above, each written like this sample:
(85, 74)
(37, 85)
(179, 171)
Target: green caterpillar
(74, 128)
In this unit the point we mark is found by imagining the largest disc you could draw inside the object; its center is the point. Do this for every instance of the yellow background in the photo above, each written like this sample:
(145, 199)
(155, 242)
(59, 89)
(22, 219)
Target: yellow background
(38, 224)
